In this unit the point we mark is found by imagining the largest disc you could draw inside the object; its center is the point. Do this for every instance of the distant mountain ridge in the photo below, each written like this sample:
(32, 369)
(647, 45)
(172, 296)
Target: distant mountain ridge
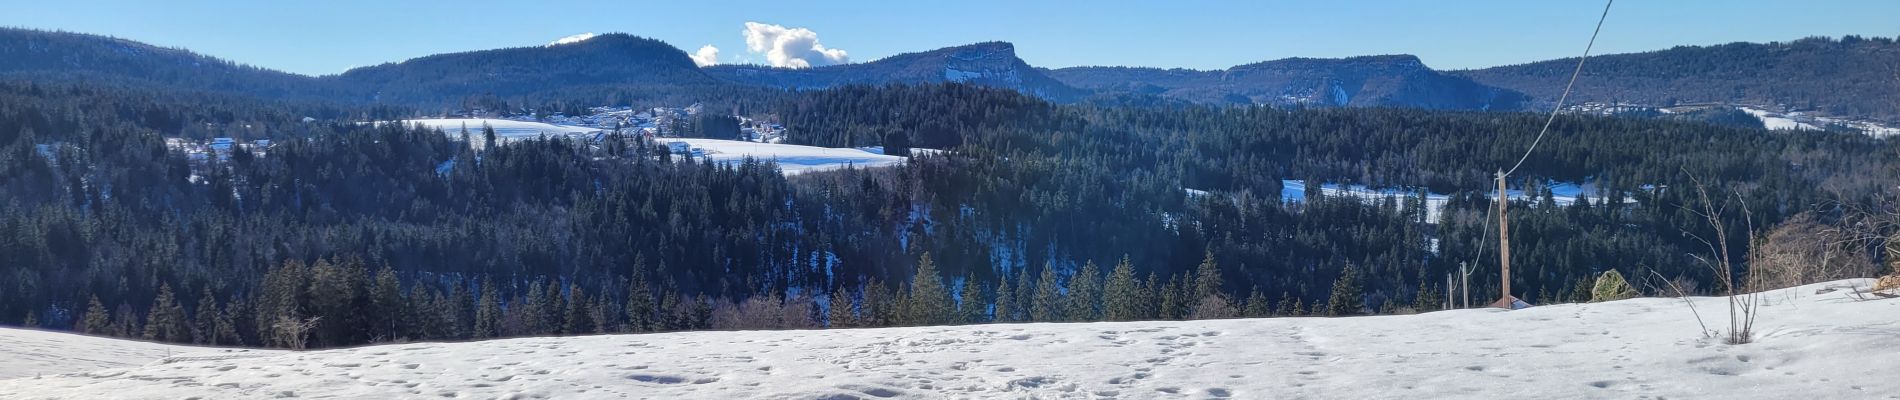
(602, 60)
(1851, 76)
(1386, 80)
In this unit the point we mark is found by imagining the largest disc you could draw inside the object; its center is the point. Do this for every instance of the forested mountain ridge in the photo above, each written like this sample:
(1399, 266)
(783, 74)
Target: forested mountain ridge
(1849, 77)
(48, 56)
(601, 61)
(1852, 76)
(992, 64)
(1366, 81)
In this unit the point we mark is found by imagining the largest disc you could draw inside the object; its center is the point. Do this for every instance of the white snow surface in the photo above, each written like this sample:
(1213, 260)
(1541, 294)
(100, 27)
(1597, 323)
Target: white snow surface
(504, 128)
(576, 38)
(792, 159)
(1809, 345)
(1776, 121)
(27, 353)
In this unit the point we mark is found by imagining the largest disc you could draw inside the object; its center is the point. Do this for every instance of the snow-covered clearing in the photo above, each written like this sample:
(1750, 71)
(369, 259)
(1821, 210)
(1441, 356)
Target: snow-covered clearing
(1810, 345)
(792, 159)
(1776, 121)
(505, 129)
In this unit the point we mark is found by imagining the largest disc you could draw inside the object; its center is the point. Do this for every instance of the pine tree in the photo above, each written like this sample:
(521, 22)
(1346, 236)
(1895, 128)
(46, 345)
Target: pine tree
(1121, 296)
(98, 321)
(1428, 298)
(1005, 301)
(972, 304)
(488, 313)
(1174, 299)
(458, 312)
(1025, 296)
(386, 304)
(166, 322)
(1085, 294)
(1287, 306)
(1348, 294)
(204, 323)
(1048, 303)
(576, 321)
(1257, 306)
(226, 324)
(1207, 279)
(640, 307)
(929, 302)
(839, 314)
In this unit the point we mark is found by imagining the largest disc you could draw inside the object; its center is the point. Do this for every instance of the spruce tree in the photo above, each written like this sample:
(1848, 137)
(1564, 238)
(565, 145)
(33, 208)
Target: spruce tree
(1174, 299)
(1348, 294)
(1025, 297)
(839, 313)
(929, 302)
(576, 321)
(640, 307)
(1085, 294)
(1121, 296)
(1005, 301)
(386, 304)
(204, 325)
(1047, 306)
(1207, 279)
(488, 313)
(166, 321)
(98, 321)
(1257, 306)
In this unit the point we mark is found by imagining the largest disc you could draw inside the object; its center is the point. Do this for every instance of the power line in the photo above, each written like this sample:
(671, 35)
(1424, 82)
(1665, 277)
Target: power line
(1567, 87)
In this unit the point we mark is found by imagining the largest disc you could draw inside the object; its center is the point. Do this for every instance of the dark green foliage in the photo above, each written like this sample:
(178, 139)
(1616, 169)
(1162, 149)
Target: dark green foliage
(1348, 295)
(1121, 296)
(166, 322)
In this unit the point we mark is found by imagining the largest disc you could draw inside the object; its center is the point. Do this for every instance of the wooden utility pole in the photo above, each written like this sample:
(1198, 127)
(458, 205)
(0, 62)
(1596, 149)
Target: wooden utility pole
(1504, 246)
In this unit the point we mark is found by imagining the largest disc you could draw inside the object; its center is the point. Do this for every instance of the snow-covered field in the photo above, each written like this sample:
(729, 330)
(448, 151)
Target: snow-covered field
(1825, 345)
(792, 159)
(504, 128)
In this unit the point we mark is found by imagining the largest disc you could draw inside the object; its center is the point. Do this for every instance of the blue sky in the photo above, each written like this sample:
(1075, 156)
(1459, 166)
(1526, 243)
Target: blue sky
(331, 36)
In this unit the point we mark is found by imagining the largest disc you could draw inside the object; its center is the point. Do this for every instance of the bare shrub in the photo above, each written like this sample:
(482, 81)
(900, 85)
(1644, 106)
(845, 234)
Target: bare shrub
(1214, 307)
(292, 332)
(764, 312)
(1804, 250)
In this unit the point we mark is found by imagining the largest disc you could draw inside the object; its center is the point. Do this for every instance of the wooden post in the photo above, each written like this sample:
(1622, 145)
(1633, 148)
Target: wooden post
(1504, 246)
(1464, 284)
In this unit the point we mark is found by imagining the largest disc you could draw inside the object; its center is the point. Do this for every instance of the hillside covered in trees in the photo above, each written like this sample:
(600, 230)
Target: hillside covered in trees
(1850, 76)
(339, 233)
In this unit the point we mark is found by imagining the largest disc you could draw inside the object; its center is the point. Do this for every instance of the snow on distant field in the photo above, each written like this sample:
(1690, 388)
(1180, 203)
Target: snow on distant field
(504, 128)
(792, 159)
(1777, 121)
(1810, 345)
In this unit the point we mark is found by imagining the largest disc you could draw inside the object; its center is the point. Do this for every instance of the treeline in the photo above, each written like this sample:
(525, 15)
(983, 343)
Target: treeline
(340, 303)
(1021, 217)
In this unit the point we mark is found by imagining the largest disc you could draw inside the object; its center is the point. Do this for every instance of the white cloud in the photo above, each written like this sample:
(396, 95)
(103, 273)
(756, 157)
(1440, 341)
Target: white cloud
(706, 56)
(573, 39)
(790, 47)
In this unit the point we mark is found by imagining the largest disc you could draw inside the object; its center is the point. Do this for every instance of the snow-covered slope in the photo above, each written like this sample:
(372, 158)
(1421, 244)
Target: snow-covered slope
(1825, 345)
(792, 159)
(30, 353)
